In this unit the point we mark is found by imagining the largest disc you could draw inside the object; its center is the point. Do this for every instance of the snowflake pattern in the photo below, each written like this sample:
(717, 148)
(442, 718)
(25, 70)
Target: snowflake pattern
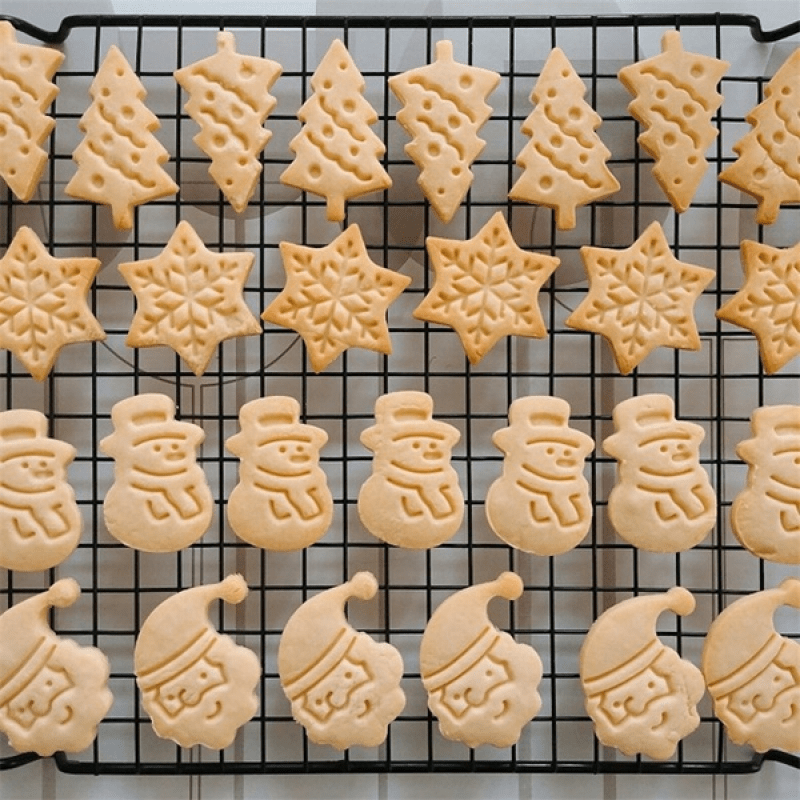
(336, 297)
(189, 298)
(640, 298)
(769, 302)
(43, 302)
(486, 288)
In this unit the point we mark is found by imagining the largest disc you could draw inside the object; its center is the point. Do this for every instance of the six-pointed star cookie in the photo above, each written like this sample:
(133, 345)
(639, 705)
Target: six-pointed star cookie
(486, 288)
(189, 298)
(640, 298)
(43, 302)
(769, 302)
(335, 297)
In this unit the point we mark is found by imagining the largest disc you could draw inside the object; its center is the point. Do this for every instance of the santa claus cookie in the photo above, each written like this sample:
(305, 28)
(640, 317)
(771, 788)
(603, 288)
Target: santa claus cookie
(198, 685)
(282, 500)
(641, 695)
(481, 684)
(40, 523)
(753, 673)
(344, 686)
(541, 503)
(53, 692)
(160, 501)
(412, 498)
(663, 500)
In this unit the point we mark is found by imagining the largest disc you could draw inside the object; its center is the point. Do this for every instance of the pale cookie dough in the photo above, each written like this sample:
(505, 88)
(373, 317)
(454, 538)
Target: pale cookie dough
(344, 686)
(640, 298)
(565, 161)
(336, 297)
(160, 501)
(197, 685)
(641, 695)
(765, 516)
(412, 498)
(43, 302)
(189, 298)
(282, 501)
(663, 500)
(768, 166)
(769, 302)
(675, 98)
(444, 107)
(753, 673)
(486, 287)
(26, 91)
(229, 98)
(336, 152)
(119, 160)
(481, 684)
(53, 691)
(40, 523)
(541, 503)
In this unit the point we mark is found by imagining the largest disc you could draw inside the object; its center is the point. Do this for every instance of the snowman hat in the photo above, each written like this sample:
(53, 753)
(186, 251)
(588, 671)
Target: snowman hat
(460, 632)
(775, 422)
(406, 413)
(178, 632)
(20, 427)
(742, 641)
(622, 641)
(540, 418)
(318, 635)
(24, 630)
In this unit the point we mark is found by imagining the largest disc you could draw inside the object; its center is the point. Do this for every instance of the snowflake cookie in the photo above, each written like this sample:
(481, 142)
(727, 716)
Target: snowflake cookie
(640, 298)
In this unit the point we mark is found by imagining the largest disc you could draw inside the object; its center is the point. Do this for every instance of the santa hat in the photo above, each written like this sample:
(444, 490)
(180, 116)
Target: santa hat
(26, 639)
(742, 640)
(460, 632)
(404, 414)
(317, 635)
(178, 632)
(776, 423)
(20, 427)
(623, 641)
(540, 418)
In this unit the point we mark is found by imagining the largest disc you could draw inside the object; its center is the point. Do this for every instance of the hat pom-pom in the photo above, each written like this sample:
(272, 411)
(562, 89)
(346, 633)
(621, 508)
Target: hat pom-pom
(233, 589)
(791, 591)
(363, 585)
(508, 585)
(680, 600)
(63, 593)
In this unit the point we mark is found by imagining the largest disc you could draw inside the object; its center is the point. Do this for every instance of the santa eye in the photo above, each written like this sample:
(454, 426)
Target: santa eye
(203, 676)
(415, 445)
(663, 448)
(282, 448)
(157, 448)
(650, 684)
(489, 673)
(348, 675)
(25, 465)
(550, 451)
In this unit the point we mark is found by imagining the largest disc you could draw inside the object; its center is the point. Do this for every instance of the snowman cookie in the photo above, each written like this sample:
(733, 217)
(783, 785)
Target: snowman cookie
(40, 523)
(344, 686)
(282, 500)
(412, 498)
(198, 685)
(481, 684)
(53, 691)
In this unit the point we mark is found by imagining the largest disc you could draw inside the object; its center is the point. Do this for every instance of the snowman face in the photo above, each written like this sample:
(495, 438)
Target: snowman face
(164, 455)
(784, 465)
(38, 471)
(286, 457)
(420, 452)
(668, 455)
(556, 460)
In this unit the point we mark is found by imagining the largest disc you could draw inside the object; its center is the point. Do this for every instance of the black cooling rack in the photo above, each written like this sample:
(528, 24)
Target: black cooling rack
(717, 387)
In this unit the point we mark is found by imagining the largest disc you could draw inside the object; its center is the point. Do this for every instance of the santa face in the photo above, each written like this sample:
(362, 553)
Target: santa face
(189, 688)
(553, 460)
(38, 471)
(165, 455)
(670, 455)
(420, 453)
(286, 457)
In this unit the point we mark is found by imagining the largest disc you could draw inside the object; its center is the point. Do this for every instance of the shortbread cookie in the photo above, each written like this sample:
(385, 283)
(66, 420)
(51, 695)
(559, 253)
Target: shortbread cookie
(541, 503)
(676, 97)
(769, 302)
(641, 695)
(282, 500)
(229, 99)
(336, 297)
(765, 516)
(640, 298)
(481, 684)
(336, 151)
(486, 288)
(40, 523)
(753, 673)
(43, 302)
(768, 167)
(53, 691)
(189, 298)
(160, 501)
(444, 107)
(344, 686)
(197, 685)
(565, 162)
(663, 500)
(119, 160)
(412, 498)
(26, 91)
